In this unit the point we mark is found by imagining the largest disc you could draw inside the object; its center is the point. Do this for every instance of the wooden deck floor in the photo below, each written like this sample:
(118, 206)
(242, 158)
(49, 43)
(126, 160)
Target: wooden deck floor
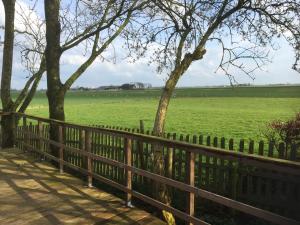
(32, 192)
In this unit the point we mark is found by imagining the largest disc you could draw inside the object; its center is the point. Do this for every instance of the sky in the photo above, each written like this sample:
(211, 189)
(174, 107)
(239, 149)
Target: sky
(201, 73)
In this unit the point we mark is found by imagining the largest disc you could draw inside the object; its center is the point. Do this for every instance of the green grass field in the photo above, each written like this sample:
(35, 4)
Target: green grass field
(229, 112)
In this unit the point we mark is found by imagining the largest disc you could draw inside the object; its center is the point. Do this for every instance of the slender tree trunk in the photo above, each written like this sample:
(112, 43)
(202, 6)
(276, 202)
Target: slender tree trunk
(27, 100)
(161, 191)
(161, 113)
(166, 95)
(7, 122)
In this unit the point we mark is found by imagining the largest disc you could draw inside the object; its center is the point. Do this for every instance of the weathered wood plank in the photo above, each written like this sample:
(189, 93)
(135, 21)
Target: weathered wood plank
(39, 194)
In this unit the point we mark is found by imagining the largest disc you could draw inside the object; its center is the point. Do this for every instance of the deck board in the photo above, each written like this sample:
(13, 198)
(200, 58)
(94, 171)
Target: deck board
(34, 192)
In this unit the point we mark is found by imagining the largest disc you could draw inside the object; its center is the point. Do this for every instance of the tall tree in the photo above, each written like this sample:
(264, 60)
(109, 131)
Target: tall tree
(7, 102)
(179, 32)
(97, 22)
(244, 29)
(25, 96)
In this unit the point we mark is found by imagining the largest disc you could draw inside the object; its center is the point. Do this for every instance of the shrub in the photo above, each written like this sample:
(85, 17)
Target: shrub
(284, 131)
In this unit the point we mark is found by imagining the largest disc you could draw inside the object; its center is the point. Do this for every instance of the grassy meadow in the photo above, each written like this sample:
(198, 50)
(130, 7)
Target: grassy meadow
(240, 112)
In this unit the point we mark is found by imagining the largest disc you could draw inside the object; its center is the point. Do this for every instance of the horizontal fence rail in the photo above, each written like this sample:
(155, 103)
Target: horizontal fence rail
(248, 183)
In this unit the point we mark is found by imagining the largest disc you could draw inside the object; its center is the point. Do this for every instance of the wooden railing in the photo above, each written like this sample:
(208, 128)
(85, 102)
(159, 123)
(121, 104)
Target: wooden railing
(116, 158)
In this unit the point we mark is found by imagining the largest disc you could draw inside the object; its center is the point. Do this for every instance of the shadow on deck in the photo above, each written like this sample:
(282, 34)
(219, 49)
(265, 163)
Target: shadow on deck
(32, 192)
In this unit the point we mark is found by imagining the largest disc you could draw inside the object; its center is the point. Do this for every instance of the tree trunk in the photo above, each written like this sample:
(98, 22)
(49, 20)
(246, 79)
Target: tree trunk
(55, 91)
(158, 130)
(161, 191)
(57, 112)
(166, 95)
(161, 113)
(8, 131)
(7, 123)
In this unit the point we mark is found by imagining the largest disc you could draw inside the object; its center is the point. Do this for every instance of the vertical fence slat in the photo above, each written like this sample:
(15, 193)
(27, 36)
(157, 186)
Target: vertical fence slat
(128, 161)
(200, 164)
(207, 165)
(169, 159)
(232, 176)
(191, 181)
(174, 159)
(271, 149)
(25, 133)
(61, 149)
(215, 168)
(281, 148)
(239, 170)
(40, 136)
(293, 154)
(88, 144)
(261, 148)
(222, 169)
(180, 161)
(249, 176)
(82, 146)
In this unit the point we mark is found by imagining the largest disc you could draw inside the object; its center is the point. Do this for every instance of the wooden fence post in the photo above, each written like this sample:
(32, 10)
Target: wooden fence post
(251, 147)
(271, 149)
(215, 142)
(141, 147)
(191, 181)
(208, 139)
(231, 144)
(88, 145)
(40, 136)
(242, 145)
(128, 161)
(142, 127)
(261, 148)
(61, 149)
(216, 168)
(239, 170)
(174, 158)
(14, 133)
(281, 150)
(233, 173)
(25, 134)
(169, 164)
(82, 147)
(223, 142)
(293, 155)
(30, 138)
(201, 139)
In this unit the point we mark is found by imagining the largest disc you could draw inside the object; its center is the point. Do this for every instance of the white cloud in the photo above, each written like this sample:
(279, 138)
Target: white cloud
(2, 21)
(2, 15)
(73, 59)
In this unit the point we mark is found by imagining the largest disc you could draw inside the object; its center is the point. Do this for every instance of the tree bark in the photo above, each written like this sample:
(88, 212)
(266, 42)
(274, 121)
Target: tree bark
(161, 191)
(7, 122)
(161, 113)
(55, 92)
(57, 112)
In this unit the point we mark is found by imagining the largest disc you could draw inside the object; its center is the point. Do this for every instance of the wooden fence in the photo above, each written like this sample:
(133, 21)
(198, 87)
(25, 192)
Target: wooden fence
(263, 187)
(247, 146)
